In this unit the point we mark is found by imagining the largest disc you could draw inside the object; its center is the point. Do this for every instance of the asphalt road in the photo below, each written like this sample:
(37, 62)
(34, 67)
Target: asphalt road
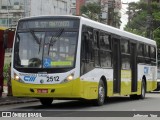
(114, 107)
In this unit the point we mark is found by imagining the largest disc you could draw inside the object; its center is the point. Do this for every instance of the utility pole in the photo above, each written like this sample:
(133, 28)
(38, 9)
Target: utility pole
(111, 12)
(149, 21)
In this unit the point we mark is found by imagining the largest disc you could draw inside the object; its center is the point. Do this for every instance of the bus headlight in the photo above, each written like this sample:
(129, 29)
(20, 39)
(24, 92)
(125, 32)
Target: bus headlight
(68, 78)
(17, 78)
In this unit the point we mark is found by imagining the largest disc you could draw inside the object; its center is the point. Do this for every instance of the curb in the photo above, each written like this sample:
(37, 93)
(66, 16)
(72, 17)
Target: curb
(14, 100)
(8, 100)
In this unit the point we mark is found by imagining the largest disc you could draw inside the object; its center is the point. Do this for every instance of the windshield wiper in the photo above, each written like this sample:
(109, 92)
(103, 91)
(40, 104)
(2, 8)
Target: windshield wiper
(54, 38)
(36, 38)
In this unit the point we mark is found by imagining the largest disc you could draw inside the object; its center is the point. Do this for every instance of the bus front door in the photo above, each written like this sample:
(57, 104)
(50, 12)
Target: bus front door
(116, 65)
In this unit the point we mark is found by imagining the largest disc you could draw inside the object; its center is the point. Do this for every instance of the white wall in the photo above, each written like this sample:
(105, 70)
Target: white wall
(50, 7)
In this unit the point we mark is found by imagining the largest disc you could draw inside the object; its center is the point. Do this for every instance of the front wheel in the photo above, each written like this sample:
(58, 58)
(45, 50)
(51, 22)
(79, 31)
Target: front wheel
(101, 94)
(46, 101)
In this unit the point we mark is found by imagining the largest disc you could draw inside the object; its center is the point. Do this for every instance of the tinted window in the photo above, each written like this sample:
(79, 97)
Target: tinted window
(146, 51)
(105, 42)
(153, 52)
(124, 46)
(96, 48)
(140, 49)
(125, 62)
(95, 38)
(106, 59)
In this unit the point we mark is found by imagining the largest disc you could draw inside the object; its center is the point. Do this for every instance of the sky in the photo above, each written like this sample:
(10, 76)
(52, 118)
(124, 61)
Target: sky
(124, 17)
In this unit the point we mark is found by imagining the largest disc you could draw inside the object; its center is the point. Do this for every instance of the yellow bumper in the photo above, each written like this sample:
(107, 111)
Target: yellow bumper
(73, 89)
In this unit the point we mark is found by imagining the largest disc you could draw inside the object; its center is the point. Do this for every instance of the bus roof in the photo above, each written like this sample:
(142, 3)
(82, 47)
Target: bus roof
(116, 31)
(101, 26)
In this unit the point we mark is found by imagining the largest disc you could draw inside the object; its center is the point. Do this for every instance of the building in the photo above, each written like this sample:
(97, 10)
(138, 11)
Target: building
(79, 3)
(47, 7)
(12, 10)
(73, 7)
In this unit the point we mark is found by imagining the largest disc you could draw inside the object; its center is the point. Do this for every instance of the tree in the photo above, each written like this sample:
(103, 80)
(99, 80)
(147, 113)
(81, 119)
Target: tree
(92, 10)
(138, 14)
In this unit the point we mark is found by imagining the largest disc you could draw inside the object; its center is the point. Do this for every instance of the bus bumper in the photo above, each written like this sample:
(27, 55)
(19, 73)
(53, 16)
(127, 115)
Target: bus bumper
(75, 89)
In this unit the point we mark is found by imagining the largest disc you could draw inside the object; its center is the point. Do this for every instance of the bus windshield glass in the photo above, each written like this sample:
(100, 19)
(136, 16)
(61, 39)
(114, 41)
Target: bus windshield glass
(45, 48)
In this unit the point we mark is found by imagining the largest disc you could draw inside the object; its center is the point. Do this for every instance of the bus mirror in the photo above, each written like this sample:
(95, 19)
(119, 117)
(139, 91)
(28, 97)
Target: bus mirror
(5, 39)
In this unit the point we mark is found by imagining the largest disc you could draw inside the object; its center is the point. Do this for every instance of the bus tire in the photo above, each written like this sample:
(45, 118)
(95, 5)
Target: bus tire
(46, 101)
(143, 90)
(101, 94)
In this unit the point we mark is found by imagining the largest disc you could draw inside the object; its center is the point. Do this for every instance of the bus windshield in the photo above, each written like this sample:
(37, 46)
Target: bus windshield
(45, 48)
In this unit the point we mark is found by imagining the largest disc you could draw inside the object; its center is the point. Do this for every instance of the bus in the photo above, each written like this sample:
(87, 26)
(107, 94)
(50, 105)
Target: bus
(73, 57)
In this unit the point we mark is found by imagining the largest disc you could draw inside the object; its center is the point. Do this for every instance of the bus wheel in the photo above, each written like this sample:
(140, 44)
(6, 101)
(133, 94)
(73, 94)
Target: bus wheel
(143, 90)
(46, 101)
(101, 94)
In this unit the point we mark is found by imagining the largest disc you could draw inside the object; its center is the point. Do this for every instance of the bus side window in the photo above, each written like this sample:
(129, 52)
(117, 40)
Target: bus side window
(125, 56)
(140, 49)
(153, 55)
(96, 48)
(146, 51)
(105, 50)
(87, 44)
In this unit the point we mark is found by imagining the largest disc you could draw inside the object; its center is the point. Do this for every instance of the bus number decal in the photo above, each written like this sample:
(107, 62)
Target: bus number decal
(51, 79)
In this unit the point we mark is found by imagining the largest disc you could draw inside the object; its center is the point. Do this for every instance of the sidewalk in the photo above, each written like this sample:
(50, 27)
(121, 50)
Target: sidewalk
(6, 100)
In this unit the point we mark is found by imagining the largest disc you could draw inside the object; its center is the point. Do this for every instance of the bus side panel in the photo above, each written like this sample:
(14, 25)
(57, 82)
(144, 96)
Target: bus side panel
(149, 72)
(126, 82)
(90, 81)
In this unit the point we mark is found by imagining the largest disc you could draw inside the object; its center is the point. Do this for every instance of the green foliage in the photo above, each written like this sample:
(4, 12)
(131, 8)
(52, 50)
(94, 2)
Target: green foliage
(157, 36)
(92, 10)
(139, 17)
(5, 71)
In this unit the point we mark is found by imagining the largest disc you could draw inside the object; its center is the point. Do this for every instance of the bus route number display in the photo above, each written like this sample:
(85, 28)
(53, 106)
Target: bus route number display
(59, 24)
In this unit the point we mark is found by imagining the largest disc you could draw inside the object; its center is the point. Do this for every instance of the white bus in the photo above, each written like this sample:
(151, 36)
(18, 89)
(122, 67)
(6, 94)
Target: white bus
(72, 57)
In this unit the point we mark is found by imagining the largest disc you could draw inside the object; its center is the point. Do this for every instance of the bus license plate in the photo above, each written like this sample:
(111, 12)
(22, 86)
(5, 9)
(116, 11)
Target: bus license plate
(42, 90)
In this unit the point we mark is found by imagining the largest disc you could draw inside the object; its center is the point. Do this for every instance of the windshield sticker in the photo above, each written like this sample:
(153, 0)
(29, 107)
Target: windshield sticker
(24, 62)
(47, 62)
(61, 63)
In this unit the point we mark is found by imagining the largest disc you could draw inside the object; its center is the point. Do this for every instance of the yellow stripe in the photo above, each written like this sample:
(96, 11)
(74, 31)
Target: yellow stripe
(74, 89)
